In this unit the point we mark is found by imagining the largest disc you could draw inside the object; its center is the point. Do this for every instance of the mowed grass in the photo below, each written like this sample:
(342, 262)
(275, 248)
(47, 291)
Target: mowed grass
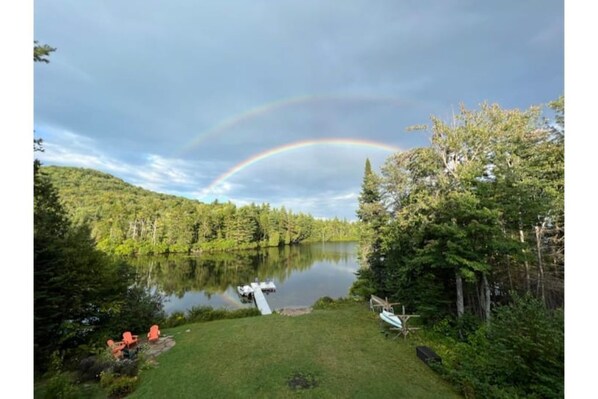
(343, 349)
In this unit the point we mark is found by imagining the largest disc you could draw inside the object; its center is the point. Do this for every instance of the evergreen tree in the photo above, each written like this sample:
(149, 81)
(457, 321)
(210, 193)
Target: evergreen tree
(372, 215)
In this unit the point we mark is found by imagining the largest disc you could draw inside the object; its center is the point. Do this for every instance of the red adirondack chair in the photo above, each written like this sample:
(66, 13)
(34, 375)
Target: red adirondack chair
(116, 348)
(130, 339)
(154, 333)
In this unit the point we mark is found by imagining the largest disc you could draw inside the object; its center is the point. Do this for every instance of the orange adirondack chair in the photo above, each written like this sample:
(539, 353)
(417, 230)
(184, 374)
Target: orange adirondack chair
(130, 339)
(154, 333)
(116, 348)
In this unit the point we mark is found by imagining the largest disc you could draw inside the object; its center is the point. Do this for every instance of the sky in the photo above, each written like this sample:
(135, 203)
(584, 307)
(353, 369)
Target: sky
(278, 102)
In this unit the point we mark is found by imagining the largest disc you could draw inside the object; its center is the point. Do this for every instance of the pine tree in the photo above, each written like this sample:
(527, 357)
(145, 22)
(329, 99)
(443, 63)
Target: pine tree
(373, 217)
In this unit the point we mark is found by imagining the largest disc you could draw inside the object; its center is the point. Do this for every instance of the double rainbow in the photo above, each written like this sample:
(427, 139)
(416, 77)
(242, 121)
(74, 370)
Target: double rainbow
(295, 146)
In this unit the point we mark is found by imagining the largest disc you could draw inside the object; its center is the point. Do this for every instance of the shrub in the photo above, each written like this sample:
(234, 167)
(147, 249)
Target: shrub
(205, 313)
(175, 319)
(60, 386)
(457, 328)
(126, 367)
(328, 303)
(244, 312)
(118, 386)
(519, 354)
(323, 303)
(91, 367)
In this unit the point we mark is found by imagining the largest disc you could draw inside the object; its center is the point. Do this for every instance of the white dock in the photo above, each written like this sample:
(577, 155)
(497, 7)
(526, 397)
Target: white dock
(260, 299)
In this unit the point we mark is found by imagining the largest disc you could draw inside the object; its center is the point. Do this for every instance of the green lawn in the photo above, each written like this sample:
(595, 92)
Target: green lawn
(343, 349)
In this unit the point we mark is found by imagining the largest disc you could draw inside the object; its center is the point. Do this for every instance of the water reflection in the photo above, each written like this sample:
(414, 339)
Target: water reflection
(302, 274)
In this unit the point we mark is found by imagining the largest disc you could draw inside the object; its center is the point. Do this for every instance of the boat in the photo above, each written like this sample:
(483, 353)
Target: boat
(268, 286)
(245, 290)
(391, 318)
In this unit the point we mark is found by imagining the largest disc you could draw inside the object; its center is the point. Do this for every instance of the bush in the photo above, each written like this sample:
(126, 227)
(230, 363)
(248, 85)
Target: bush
(519, 354)
(118, 386)
(328, 303)
(175, 319)
(457, 328)
(206, 313)
(323, 303)
(60, 386)
(126, 367)
(91, 368)
(244, 312)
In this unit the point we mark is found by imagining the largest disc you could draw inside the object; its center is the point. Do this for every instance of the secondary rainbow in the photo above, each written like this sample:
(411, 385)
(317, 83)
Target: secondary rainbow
(295, 146)
(264, 109)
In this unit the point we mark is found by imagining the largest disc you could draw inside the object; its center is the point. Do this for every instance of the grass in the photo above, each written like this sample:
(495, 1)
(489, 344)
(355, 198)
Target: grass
(335, 353)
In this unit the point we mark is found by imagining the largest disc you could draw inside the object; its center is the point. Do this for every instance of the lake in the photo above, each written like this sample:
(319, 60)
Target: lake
(302, 274)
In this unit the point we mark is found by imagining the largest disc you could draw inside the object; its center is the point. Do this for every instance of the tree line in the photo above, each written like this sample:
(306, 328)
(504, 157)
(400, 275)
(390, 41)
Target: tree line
(125, 219)
(471, 229)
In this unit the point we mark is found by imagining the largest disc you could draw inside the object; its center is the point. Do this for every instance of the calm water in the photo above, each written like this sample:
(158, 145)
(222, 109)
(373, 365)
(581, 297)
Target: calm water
(302, 274)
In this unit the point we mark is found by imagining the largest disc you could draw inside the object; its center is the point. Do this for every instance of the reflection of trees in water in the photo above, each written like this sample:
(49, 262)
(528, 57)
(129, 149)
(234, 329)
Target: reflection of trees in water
(213, 273)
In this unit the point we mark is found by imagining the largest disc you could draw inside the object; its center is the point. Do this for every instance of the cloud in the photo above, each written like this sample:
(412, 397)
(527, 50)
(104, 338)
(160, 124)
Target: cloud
(176, 97)
(153, 172)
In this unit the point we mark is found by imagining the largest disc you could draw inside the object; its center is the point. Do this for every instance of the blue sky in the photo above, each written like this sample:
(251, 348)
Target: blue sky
(172, 95)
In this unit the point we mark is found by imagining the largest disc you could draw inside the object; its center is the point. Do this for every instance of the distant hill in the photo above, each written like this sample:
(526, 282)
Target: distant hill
(126, 219)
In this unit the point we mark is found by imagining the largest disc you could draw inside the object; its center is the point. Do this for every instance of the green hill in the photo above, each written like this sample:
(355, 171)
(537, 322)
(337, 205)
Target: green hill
(126, 219)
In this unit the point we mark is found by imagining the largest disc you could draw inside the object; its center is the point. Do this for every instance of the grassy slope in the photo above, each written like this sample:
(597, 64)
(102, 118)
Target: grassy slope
(343, 348)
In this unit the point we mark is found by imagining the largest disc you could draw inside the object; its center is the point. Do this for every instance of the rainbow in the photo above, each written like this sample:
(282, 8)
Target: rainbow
(230, 299)
(267, 108)
(295, 146)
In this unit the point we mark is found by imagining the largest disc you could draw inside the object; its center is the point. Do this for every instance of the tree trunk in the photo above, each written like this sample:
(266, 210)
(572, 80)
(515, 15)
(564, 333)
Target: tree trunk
(527, 278)
(539, 233)
(459, 284)
(487, 300)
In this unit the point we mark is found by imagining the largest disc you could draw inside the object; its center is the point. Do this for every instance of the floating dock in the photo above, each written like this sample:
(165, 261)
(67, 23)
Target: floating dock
(260, 299)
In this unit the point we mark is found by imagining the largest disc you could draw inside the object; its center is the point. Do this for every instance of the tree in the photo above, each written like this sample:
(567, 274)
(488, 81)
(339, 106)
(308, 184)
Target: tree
(372, 215)
(41, 52)
(78, 290)
(472, 213)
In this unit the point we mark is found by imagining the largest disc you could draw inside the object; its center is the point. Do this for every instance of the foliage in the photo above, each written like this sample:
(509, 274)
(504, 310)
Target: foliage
(323, 303)
(519, 354)
(329, 303)
(138, 310)
(41, 52)
(364, 286)
(128, 220)
(175, 319)
(80, 294)
(473, 216)
(476, 220)
(91, 367)
(207, 313)
(118, 386)
(61, 386)
(373, 217)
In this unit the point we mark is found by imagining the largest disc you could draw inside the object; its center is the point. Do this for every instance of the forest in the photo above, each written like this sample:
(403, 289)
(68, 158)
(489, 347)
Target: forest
(125, 219)
(469, 232)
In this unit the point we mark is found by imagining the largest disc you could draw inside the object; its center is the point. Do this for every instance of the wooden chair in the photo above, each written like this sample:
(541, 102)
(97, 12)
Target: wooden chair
(383, 304)
(130, 339)
(154, 333)
(116, 348)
